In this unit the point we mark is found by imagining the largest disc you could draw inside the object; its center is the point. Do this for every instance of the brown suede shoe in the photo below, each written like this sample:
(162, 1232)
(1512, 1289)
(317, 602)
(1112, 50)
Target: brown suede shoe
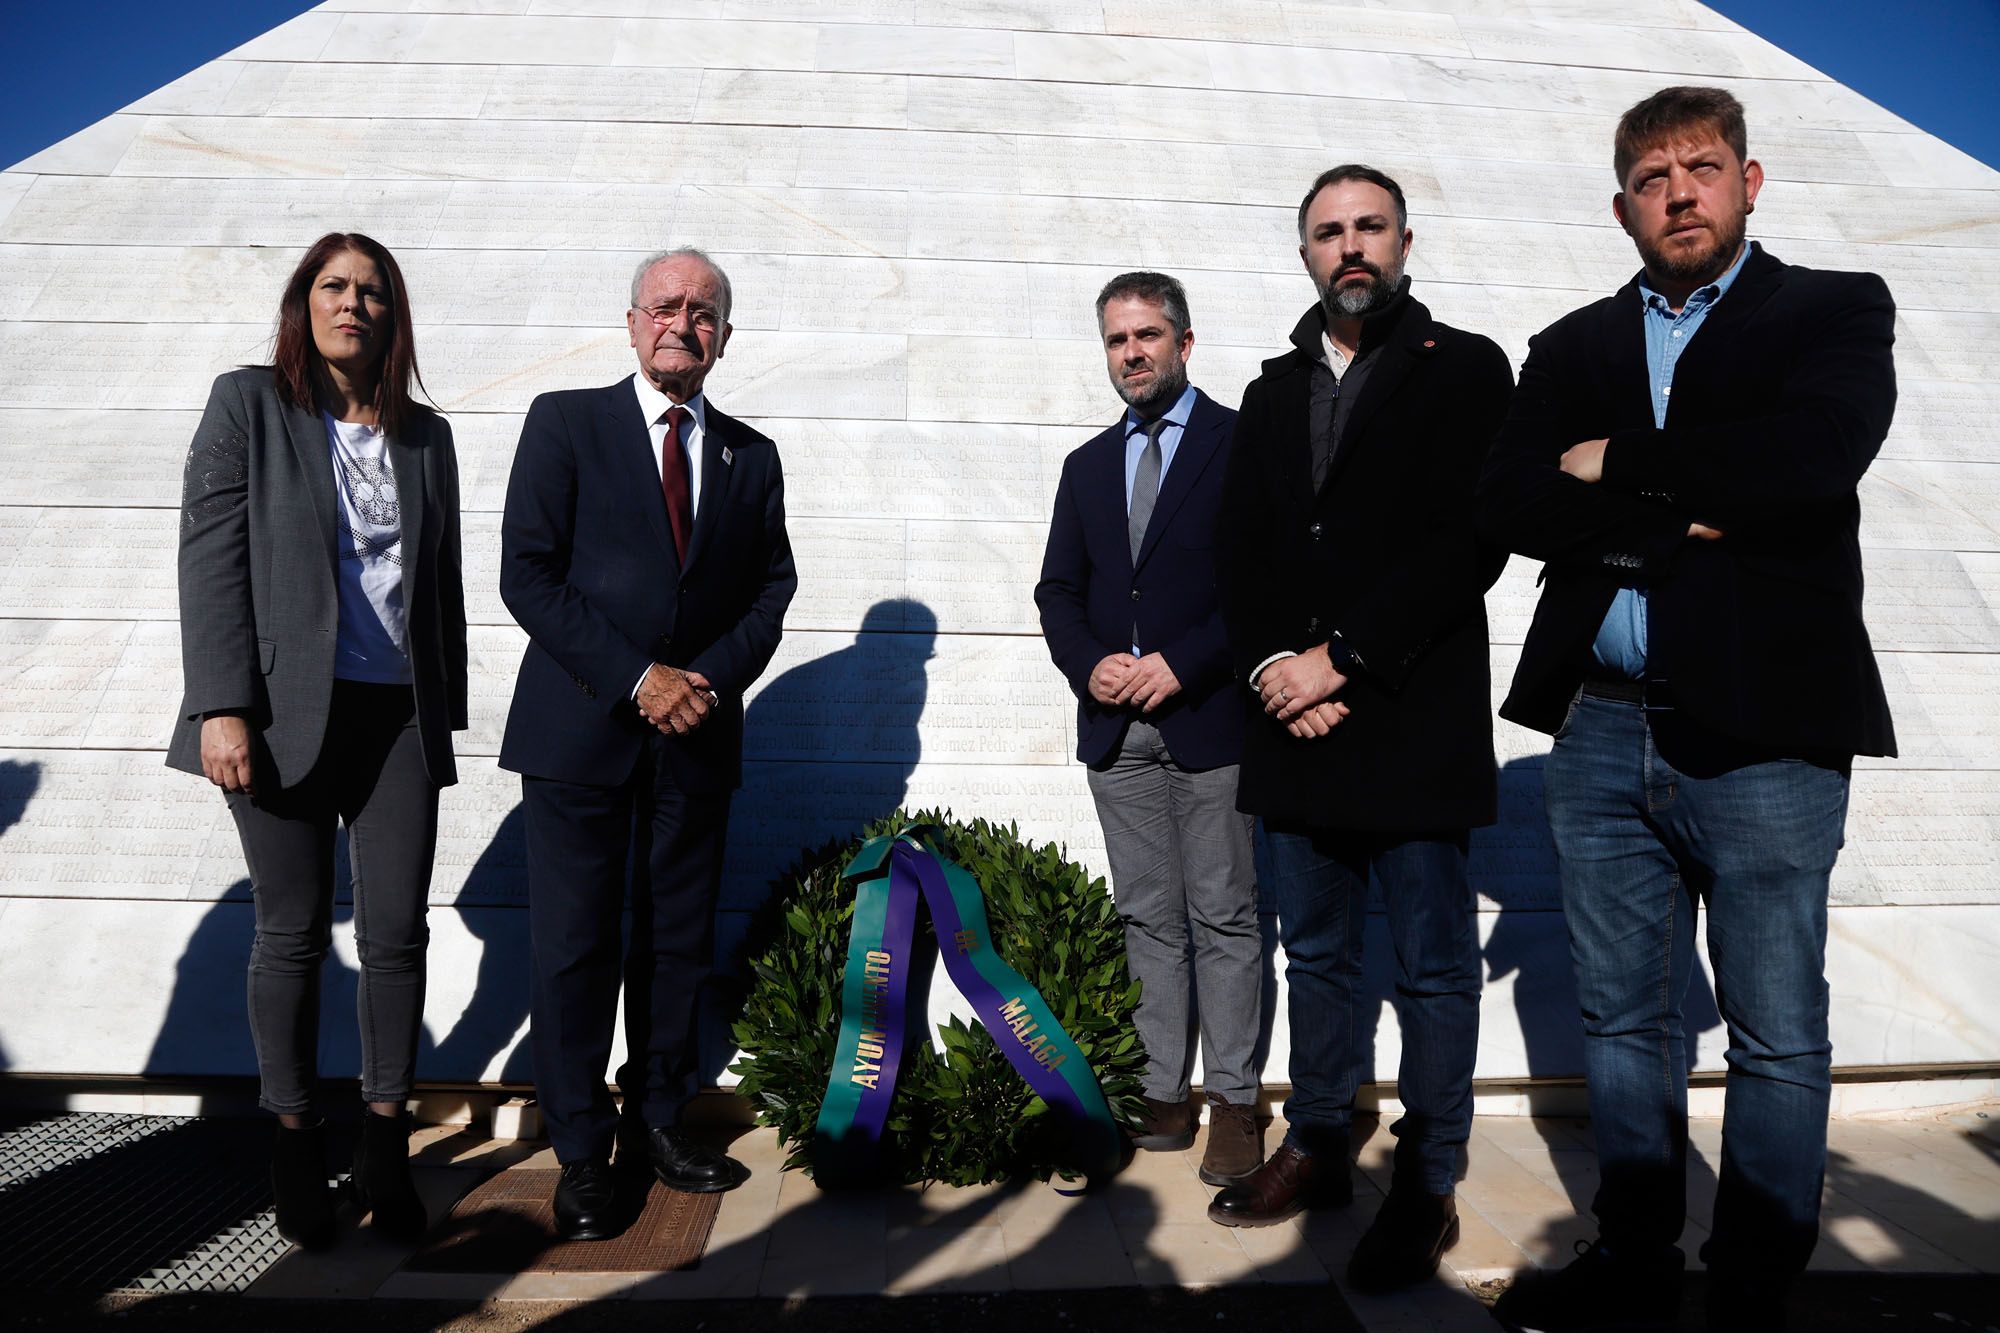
(1288, 1182)
(1168, 1126)
(1235, 1143)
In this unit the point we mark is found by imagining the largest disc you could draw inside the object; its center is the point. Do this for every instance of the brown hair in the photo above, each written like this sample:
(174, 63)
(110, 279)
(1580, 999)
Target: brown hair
(296, 358)
(1159, 289)
(1672, 113)
(1354, 171)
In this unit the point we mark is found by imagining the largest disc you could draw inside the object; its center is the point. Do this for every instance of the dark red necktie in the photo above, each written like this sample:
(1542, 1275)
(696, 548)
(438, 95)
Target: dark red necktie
(674, 482)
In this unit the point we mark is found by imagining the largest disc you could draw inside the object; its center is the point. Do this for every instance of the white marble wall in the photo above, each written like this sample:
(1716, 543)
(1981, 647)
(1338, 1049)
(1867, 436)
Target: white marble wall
(917, 202)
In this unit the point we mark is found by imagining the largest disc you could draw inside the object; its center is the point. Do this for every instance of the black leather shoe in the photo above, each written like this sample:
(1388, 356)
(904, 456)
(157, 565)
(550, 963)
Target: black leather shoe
(589, 1204)
(1402, 1246)
(690, 1167)
(298, 1186)
(1289, 1181)
(1739, 1302)
(1597, 1291)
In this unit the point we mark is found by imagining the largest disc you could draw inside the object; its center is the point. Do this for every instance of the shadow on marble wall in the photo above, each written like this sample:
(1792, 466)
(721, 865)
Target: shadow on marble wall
(858, 708)
(860, 705)
(206, 1028)
(499, 1003)
(1528, 940)
(19, 780)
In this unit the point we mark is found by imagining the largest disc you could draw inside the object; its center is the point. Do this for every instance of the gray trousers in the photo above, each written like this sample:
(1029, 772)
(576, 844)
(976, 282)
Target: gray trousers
(1182, 874)
(370, 777)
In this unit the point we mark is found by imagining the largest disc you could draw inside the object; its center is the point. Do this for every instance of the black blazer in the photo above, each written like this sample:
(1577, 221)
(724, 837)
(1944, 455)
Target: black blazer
(259, 592)
(1384, 554)
(1779, 406)
(587, 567)
(1091, 591)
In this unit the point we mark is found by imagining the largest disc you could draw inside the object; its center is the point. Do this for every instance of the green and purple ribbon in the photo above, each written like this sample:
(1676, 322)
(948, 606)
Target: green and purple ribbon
(891, 873)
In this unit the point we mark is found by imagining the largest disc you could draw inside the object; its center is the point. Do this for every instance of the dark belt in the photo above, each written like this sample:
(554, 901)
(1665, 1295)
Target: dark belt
(1655, 696)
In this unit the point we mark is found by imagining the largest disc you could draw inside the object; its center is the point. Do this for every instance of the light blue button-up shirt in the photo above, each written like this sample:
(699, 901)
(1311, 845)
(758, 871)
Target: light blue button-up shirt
(1170, 440)
(1621, 639)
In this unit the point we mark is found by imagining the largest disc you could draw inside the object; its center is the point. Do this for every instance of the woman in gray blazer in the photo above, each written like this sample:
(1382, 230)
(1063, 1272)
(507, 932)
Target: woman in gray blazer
(323, 651)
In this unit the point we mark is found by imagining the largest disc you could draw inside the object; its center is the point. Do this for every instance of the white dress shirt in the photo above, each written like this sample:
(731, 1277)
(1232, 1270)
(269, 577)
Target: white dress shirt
(653, 407)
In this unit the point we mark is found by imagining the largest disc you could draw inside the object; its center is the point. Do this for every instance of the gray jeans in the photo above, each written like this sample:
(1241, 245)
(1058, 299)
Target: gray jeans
(371, 777)
(1182, 874)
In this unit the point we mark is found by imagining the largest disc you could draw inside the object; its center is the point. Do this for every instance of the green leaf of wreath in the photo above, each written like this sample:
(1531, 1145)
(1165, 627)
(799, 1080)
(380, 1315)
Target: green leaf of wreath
(961, 1114)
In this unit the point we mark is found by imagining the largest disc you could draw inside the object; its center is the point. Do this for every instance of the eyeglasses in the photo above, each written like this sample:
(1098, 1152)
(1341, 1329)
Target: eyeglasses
(705, 318)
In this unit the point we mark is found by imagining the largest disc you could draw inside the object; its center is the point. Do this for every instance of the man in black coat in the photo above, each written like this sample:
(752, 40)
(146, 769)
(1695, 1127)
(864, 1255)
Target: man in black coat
(1684, 455)
(644, 552)
(1353, 591)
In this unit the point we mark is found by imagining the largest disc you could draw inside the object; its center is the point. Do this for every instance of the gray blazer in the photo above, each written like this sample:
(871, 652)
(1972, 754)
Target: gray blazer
(259, 600)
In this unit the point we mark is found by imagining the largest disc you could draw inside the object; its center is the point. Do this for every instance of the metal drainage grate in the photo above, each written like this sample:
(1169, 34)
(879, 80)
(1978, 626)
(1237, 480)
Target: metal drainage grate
(99, 1202)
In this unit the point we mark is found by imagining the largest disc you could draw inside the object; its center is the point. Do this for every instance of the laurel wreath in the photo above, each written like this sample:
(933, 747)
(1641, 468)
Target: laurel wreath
(961, 1115)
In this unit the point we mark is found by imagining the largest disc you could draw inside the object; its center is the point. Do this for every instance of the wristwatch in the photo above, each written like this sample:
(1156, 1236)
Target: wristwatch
(1341, 653)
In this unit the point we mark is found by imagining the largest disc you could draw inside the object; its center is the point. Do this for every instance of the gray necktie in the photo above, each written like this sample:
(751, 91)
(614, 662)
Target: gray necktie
(1145, 489)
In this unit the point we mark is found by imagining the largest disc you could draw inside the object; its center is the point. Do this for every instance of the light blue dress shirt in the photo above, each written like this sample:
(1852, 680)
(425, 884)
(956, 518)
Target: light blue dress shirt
(1621, 639)
(1170, 440)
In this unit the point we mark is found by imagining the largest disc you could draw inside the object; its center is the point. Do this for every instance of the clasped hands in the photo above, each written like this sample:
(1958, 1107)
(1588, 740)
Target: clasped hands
(1298, 691)
(674, 701)
(1585, 462)
(1143, 682)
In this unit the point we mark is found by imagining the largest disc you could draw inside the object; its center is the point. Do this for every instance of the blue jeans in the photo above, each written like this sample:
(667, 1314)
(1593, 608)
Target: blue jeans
(1320, 878)
(1641, 844)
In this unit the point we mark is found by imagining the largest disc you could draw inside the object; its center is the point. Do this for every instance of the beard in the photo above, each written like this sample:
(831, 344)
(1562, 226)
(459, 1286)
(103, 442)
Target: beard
(1169, 382)
(1355, 302)
(1693, 266)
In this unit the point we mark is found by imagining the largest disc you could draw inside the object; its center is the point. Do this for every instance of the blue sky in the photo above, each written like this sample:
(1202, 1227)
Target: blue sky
(71, 63)
(1933, 62)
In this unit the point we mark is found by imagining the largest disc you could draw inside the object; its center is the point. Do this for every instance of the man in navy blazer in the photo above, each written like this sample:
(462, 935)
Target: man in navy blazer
(1129, 609)
(644, 552)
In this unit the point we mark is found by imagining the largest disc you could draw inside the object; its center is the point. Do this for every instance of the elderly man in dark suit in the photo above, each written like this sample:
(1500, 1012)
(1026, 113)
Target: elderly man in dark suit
(1129, 610)
(1684, 456)
(644, 552)
(1353, 588)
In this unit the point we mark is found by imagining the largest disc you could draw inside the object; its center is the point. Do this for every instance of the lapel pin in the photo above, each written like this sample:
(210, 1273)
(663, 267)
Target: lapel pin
(1430, 342)
(727, 457)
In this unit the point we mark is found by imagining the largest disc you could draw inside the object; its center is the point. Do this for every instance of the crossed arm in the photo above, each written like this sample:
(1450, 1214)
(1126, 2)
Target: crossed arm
(1633, 498)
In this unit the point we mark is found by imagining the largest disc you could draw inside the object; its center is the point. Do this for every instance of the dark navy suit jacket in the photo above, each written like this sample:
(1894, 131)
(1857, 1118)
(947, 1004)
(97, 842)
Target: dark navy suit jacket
(1092, 592)
(587, 567)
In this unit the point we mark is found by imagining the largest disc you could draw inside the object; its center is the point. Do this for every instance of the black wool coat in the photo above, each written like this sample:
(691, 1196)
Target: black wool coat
(1779, 405)
(1384, 554)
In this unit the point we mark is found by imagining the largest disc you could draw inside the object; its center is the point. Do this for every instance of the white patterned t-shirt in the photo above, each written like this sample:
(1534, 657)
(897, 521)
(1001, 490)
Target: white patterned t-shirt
(372, 642)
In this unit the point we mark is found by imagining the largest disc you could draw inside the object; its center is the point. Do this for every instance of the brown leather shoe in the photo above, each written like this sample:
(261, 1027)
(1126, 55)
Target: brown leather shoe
(1288, 1182)
(1168, 1126)
(1235, 1143)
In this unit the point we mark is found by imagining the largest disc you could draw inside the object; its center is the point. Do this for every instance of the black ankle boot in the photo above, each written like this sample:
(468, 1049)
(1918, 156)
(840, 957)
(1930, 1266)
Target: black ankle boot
(382, 1183)
(298, 1185)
